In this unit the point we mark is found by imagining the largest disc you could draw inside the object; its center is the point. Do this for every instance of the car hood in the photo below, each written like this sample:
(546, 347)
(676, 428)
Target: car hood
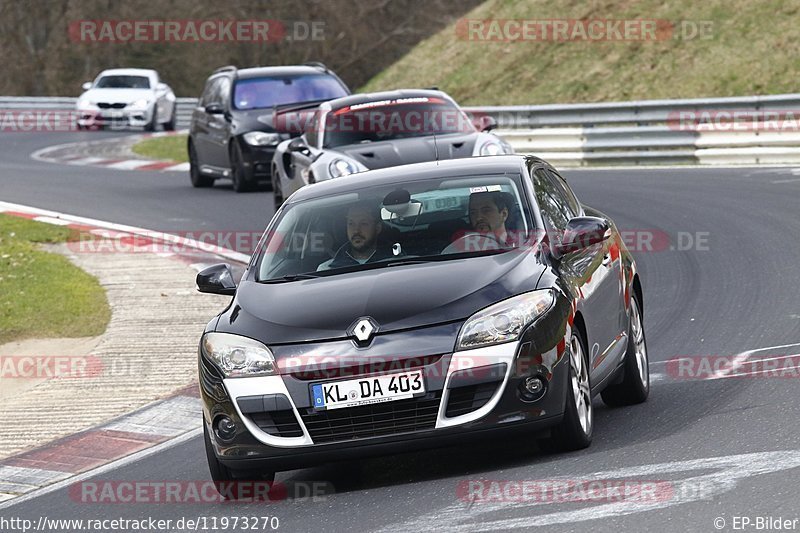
(265, 120)
(397, 298)
(413, 150)
(117, 95)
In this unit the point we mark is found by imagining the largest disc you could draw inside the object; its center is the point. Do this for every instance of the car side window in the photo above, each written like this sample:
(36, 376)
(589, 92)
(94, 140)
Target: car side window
(566, 192)
(552, 203)
(223, 93)
(208, 93)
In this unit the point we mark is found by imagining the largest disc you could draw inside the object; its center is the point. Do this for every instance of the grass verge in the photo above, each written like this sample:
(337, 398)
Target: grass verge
(42, 294)
(169, 148)
(752, 48)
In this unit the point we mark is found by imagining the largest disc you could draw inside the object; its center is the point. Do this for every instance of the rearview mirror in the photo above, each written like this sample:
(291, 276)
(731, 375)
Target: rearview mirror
(86, 85)
(583, 232)
(216, 279)
(215, 109)
(485, 123)
(297, 145)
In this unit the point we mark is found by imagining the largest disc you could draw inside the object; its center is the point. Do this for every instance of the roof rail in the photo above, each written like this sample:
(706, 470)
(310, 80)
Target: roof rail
(224, 69)
(317, 64)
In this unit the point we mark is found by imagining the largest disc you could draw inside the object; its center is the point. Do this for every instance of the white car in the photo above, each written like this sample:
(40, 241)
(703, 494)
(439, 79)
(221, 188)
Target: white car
(130, 96)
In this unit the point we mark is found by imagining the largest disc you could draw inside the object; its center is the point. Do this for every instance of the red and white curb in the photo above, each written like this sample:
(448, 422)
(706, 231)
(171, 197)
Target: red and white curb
(131, 437)
(111, 230)
(163, 424)
(89, 449)
(65, 154)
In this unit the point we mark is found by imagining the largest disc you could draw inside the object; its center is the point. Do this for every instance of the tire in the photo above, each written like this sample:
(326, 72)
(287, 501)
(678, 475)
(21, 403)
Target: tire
(223, 476)
(170, 126)
(151, 126)
(238, 172)
(635, 385)
(277, 188)
(575, 430)
(198, 180)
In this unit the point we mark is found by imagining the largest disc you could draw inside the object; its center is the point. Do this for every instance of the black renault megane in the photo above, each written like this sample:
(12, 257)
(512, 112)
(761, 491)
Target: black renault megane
(417, 306)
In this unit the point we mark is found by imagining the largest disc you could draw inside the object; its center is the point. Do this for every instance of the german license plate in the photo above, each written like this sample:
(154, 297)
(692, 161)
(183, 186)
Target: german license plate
(365, 391)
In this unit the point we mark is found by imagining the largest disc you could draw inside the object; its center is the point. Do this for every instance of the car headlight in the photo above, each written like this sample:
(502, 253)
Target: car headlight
(341, 167)
(260, 138)
(491, 148)
(140, 103)
(504, 321)
(83, 103)
(238, 356)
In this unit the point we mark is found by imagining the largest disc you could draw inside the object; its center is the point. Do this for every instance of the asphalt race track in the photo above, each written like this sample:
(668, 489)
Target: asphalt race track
(725, 448)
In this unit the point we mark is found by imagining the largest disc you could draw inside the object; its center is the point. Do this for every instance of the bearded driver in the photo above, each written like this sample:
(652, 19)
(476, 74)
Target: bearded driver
(363, 227)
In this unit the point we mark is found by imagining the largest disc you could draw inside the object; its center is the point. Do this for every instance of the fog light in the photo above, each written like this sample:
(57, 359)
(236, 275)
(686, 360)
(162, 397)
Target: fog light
(532, 388)
(534, 385)
(225, 428)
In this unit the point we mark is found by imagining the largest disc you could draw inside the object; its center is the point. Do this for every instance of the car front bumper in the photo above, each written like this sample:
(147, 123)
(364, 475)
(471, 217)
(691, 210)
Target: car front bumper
(476, 393)
(104, 117)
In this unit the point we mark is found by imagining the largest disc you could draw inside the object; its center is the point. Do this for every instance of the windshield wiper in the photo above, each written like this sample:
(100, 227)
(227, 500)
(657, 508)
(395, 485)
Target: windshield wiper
(291, 277)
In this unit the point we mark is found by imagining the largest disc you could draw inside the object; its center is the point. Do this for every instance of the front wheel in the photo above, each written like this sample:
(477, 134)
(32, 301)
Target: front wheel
(151, 126)
(575, 430)
(238, 172)
(170, 126)
(635, 386)
(198, 180)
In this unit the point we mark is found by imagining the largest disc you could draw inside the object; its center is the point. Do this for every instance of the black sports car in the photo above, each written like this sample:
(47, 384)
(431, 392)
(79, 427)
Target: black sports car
(377, 130)
(418, 305)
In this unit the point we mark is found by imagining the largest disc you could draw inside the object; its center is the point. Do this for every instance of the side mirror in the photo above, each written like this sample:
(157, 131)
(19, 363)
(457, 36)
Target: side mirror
(485, 123)
(297, 145)
(86, 85)
(162, 87)
(216, 279)
(215, 109)
(583, 232)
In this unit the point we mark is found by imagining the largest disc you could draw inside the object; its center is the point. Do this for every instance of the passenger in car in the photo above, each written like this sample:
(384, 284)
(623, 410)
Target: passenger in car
(488, 213)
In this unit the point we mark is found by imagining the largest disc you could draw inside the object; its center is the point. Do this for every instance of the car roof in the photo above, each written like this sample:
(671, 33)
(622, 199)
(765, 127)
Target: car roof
(493, 164)
(290, 70)
(361, 98)
(129, 72)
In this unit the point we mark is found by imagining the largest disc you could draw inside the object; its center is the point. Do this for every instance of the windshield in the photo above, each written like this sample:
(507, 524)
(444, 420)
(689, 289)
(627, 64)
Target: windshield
(427, 220)
(123, 82)
(393, 119)
(256, 93)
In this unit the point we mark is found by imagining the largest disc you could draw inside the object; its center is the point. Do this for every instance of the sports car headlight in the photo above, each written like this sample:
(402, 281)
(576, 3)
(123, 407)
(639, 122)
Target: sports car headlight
(238, 356)
(260, 138)
(139, 103)
(83, 103)
(504, 321)
(491, 148)
(341, 167)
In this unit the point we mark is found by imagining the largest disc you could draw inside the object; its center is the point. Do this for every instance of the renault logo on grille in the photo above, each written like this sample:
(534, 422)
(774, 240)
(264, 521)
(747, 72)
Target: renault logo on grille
(363, 330)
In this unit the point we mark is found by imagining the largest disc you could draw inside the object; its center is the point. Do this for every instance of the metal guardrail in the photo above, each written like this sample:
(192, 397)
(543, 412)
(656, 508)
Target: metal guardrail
(740, 130)
(737, 130)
